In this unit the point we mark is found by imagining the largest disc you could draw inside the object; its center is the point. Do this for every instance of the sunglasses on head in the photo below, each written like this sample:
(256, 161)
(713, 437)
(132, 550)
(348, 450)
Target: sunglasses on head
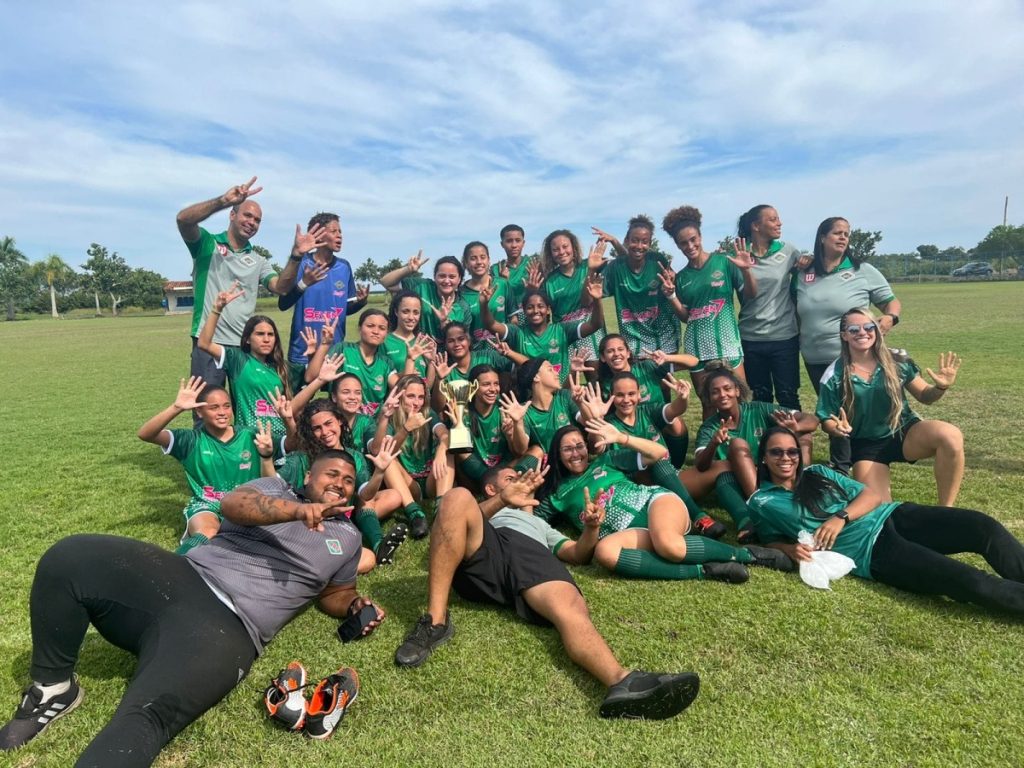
(789, 453)
(866, 327)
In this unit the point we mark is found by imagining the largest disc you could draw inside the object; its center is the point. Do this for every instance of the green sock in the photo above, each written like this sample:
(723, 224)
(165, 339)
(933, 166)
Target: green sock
(665, 475)
(731, 498)
(366, 521)
(678, 445)
(703, 550)
(527, 462)
(413, 510)
(188, 543)
(641, 564)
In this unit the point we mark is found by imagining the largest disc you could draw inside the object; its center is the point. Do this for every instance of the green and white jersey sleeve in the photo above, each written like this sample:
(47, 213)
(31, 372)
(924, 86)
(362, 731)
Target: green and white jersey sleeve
(252, 384)
(869, 416)
(646, 318)
(712, 332)
(771, 314)
(213, 468)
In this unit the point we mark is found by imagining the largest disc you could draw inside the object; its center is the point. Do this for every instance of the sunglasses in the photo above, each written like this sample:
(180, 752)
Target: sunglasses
(789, 453)
(866, 327)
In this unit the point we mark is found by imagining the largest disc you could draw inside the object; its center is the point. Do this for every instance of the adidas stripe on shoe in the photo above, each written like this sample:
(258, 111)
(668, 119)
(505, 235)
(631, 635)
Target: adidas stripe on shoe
(34, 714)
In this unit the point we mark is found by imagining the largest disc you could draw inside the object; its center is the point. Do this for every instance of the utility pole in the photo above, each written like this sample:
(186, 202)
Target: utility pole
(1006, 206)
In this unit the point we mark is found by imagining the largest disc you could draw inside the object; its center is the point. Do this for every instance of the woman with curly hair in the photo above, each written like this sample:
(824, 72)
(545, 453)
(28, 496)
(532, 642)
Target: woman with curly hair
(863, 397)
(702, 295)
(566, 282)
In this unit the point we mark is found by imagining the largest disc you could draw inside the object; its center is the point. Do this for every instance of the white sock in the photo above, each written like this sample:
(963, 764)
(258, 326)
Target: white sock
(56, 689)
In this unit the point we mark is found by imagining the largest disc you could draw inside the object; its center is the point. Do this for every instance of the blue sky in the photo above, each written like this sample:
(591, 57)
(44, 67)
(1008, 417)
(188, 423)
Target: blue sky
(430, 124)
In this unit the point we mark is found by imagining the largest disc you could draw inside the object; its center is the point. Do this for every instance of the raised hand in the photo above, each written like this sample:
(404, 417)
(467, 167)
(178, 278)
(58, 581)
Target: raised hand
(593, 513)
(519, 492)
(743, 258)
(283, 405)
(416, 262)
(310, 241)
(386, 454)
(949, 364)
(309, 336)
(501, 347)
(680, 386)
(722, 436)
(596, 259)
(264, 440)
(606, 434)
(486, 290)
(441, 365)
(442, 312)
(390, 404)
(420, 346)
(595, 287)
(668, 281)
(239, 193)
(842, 423)
(604, 237)
(534, 276)
(328, 329)
(313, 515)
(787, 419)
(332, 367)
(188, 393)
(576, 389)
(507, 425)
(510, 406)
(226, 297)
(314, 273)
(578, 362)
(414, 421)
(503, 269)
(593, 401)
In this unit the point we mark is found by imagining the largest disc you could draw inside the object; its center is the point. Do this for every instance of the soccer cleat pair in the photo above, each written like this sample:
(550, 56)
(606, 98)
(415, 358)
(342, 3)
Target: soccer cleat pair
(317, 718)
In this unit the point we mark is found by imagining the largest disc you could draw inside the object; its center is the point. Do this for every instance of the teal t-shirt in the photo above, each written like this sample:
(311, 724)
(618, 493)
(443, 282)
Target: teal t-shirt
(869, 419)
(778, 517)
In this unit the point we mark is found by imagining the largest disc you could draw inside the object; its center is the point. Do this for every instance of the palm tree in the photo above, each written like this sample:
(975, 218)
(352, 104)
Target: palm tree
(56, 270)
(10, 259)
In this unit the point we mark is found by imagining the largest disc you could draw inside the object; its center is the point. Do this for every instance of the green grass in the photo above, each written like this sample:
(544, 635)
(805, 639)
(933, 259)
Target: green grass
(863, 675)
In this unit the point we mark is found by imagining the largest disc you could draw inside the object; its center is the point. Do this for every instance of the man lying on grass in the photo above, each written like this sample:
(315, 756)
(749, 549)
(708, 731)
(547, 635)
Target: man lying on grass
(499, 552)
(196, 622)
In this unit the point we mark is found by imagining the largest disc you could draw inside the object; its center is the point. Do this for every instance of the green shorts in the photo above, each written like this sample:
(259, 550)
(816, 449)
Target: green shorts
(731, 362)
(198, 506)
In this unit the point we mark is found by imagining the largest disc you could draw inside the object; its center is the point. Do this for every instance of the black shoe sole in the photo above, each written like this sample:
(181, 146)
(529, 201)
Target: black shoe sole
(390, 543)
(659, 703)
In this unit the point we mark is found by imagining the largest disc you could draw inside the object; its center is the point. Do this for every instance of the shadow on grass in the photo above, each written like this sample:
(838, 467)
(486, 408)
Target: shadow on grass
(97, 659)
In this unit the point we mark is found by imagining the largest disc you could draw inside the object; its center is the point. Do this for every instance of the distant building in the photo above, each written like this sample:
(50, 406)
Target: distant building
(179, 297)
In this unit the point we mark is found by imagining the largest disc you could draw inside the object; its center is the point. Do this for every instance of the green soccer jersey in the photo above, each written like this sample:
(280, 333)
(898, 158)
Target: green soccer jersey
(252, 385)
(426, 289)
(516, 282)
(646, 318)
(779, 517)
(489, 443)
(649, 422)
(711, 329)
(551, 345)
(755, 418)
(296, 465)
(500, 305)
(541, 425)
(625, 502)
(373, 375)
(648, 378)
(869, 418)
(418, 461)
(565, 294)
(398, 351)
(363, 430)
(213, 468)
(477, 357)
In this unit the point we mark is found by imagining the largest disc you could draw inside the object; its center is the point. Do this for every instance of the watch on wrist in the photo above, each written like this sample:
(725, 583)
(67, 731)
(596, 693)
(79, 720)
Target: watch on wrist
(895, 318)
(843, 515)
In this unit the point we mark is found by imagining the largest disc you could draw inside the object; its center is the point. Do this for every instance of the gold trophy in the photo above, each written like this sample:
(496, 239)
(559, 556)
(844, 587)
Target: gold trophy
(458, 394)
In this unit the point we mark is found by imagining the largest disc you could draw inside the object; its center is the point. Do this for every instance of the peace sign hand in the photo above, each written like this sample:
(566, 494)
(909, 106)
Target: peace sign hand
(240, 192)
(680, 386)
(949, 364)
(328, 328)
(743, 258)
(786, 419)
(416, 262)
(390, 404)
(486, 290)
(668, 281)
(593, 513)
(226, 297)
(842, 423)
(264, 440)
(722, 436)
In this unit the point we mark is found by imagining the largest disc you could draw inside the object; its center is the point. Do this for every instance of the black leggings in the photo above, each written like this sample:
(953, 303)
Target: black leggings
(192, 650)
(910, 553)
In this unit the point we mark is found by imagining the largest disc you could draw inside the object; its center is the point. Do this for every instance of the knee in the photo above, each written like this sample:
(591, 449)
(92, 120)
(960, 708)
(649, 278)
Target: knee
(739, 449)
(951, 439)
(456, 503)
(606, 554)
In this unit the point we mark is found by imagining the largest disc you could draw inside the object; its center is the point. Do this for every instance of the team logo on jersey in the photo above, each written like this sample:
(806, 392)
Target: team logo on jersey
(846, 276)
(222, 250)
(809, 277)
(265, 409)
(717, 274)
(339, 285)
(561, 420)
(334, 547)
(378, 380)
(246, 455)
(247, 260)
(779, 257)
(500, 303)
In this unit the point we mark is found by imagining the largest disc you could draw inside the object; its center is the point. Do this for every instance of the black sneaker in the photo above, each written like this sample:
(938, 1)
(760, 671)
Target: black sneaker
(390, 543)
(709, 527)
(423, 639)
(418, 527)
(746, 535)
(35, 715)
(731, 572)
(766, 557)
(650, 696)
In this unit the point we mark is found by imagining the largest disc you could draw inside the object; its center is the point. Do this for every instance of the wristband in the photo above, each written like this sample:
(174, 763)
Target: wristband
(215, 311)
(269, 455)
(295, 258)
(895, 318)
(301, 285)
(941, 389)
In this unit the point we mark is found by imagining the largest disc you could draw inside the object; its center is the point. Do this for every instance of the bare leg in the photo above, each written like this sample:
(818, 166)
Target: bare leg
(458, 532)
(946, 443)
(701, 483)
(562, 604)
(875, 476)
(668, 522)
(205, 523)
(367, 561)
(741, 461)
(386, 502)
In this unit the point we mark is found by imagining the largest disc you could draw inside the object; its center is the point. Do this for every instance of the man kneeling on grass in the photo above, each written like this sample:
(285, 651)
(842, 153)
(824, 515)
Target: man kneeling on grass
(196, 622)
(512, 559)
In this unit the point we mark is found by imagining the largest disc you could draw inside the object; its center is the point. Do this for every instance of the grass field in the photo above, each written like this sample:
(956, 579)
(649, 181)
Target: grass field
(863, 675)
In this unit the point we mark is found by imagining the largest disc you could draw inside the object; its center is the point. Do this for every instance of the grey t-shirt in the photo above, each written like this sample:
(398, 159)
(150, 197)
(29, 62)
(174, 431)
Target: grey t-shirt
(270, 572)
(771, 314)
(528, 525)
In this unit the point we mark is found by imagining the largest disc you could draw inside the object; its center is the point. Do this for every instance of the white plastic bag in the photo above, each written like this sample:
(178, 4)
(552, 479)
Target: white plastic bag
(824, 565)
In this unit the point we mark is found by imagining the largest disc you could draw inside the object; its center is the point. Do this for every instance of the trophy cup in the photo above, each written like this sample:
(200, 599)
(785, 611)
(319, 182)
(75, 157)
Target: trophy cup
(458, 394)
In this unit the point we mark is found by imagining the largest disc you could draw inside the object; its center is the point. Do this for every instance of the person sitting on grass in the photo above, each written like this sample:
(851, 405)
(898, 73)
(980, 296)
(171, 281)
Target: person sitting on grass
(646, 531)
(498, 552)
(322, 427)
(217, 456)
(196, 622)
(902, 544)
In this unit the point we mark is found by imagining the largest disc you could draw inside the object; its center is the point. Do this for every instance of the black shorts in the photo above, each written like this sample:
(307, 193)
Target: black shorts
(886, 450)
(507, 564)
